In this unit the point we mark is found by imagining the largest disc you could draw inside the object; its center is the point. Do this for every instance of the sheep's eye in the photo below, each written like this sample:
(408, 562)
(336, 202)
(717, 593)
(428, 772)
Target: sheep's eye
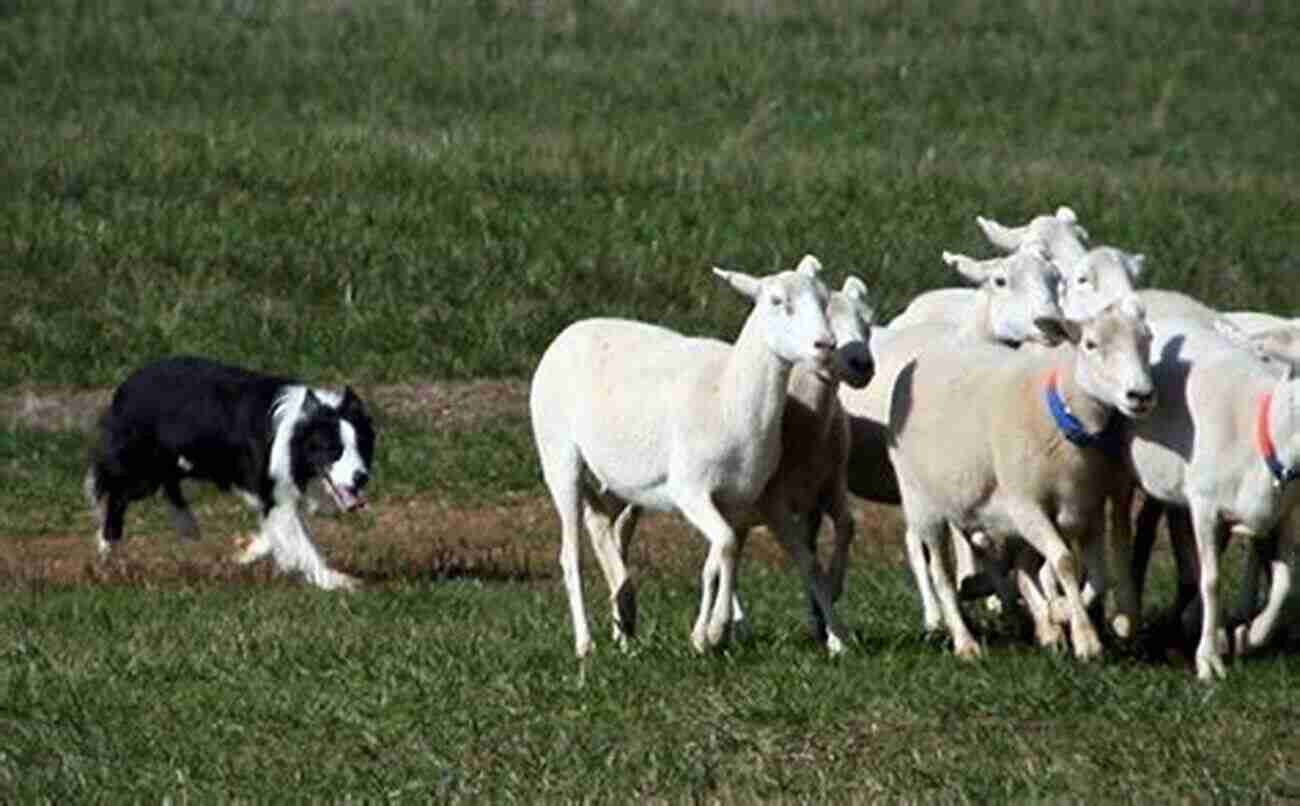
(1089, 344)
(778, 301)
(1000, 282)
(1083, 281)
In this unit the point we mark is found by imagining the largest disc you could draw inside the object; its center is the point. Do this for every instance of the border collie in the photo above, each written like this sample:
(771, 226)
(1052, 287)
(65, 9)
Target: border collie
(264, 436)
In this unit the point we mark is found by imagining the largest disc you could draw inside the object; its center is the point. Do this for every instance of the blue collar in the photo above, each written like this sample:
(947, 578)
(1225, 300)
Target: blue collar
(1071, 428)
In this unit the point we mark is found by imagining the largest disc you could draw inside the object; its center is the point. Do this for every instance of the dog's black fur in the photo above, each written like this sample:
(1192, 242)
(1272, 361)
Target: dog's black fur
(188, 417)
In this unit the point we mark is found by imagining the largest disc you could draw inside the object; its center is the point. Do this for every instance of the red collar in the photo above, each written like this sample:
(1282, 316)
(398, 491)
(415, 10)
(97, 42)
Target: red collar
(1264, 443)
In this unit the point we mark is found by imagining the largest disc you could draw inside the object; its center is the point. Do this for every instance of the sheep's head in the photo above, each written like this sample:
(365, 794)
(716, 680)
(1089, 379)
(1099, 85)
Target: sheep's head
(1017, 290)
(851, 316)
(1100, 277)
(1112, 355)
(791, 310)
(1059, 234)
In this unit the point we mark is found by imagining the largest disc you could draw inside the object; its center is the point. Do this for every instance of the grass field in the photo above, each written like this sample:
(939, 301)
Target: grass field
(414, 197)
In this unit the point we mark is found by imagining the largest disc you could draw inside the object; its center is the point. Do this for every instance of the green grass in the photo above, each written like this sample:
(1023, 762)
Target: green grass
(463, 689)
(394, 190)
(402, 191)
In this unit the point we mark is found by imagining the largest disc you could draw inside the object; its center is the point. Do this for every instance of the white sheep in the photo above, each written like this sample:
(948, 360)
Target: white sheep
(1060, 234)
(812, 477)
(810, 481)
(1013, 294)
(1003, 442)
(1224, 445)
(625, 412)
(1009, 291)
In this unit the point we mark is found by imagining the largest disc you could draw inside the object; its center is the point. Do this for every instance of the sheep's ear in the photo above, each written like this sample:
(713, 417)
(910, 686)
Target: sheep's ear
(1058, 329)
(809, 266)
(855, 289)
(744, 283)
(1133, 263)
(1007, 238)
(974, 270)
(856, 292)
(1065, 215)
(1132, 307)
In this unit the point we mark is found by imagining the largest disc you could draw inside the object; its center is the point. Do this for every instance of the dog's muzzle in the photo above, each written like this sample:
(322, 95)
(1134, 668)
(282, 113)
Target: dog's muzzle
(349, 498)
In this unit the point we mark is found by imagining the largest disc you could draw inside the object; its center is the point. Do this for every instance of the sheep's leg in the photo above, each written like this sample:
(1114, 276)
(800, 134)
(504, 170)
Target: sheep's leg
(1057, 602)
(932, 615)
(1209, 662)
(1047, 629)
(604, 544)
(1256, 632)
(963, 556)
(1092, 550)
(719, 577)
(624, 530)
(739, 624)
(563, 478)
(1143, 538)
(796, 533)
(1127, 589)
(842, 519)
(1039, 530)
(931, 535)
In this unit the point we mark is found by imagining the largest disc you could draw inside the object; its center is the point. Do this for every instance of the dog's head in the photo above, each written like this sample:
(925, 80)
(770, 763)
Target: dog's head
(337, 443)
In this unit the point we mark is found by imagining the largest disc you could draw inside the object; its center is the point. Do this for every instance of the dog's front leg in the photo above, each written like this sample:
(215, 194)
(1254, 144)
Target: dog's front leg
(292, 549)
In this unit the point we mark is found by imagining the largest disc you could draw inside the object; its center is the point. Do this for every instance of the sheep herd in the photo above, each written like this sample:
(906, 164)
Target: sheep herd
(1014, 422)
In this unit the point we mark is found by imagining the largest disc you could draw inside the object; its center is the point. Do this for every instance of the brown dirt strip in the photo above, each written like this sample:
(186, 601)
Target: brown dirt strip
(455, 405)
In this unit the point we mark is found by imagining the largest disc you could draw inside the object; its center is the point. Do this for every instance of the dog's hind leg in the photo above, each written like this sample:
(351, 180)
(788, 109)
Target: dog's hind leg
(108, 507)
(187, 528)
(113, 507)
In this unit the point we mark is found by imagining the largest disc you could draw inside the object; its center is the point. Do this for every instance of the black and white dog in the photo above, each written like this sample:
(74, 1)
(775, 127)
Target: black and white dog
(264, 436)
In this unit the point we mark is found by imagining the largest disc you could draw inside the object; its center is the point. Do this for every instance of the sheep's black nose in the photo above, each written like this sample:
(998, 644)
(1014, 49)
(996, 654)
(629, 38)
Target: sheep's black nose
(1142, 399)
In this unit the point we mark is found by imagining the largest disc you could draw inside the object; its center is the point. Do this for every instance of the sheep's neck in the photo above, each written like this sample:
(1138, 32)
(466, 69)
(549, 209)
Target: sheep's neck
(815, 388)
(753, 385)
(977, 326)
(1092, 414)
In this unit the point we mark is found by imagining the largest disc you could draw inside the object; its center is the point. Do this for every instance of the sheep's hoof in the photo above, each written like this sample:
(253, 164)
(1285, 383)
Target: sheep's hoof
(968, 651)
(1049, 635)
(582, 648)
(1122, 624)
(834, 645)
(698, 641)
(1087, 646)
(1209, 666)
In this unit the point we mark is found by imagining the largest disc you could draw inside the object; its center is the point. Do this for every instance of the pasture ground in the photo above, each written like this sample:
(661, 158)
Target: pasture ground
(169, 671)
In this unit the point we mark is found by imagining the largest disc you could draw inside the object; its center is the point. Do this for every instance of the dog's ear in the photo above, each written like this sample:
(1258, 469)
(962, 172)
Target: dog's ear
(351, 403)
(310, 404)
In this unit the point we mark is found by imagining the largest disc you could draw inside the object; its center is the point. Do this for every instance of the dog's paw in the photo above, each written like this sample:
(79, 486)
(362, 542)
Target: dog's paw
(339, 581)
(250, 548)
